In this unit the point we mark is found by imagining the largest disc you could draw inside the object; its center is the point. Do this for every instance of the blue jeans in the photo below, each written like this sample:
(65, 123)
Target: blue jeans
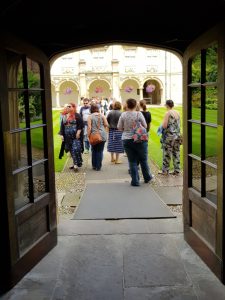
(137, 152)
(86, 145)
(97, 155)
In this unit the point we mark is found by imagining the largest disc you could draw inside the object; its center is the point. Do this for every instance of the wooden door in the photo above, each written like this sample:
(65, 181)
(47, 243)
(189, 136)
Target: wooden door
(204, 148)
(27, 199)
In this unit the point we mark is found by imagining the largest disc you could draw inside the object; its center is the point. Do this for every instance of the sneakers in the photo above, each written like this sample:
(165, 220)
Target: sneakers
(176, 173)
(150, 180)
(163, 173)
(75, 168)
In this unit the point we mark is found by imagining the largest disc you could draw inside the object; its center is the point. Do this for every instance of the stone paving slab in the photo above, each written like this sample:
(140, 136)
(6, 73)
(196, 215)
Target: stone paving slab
(152, 260)
(71, 199)
(169, 194)
(126, 226)
(130, 267)
(160, 293)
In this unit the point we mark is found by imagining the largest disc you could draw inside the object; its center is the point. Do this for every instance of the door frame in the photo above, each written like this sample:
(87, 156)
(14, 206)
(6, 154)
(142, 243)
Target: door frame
(14, 266)
(214, 258)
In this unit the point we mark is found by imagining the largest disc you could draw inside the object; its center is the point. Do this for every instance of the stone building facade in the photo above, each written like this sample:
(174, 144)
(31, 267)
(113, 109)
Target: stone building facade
(117, 71)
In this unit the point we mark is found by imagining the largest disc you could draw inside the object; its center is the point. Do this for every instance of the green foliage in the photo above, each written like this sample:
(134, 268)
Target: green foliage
(35, 108)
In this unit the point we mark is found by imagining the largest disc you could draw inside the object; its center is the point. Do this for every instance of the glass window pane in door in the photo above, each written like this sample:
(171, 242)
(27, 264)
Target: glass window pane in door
(17, 110)
(33, 73)
(196, 174)
(196, 69)
(196, 103)
(211, 105)
(211, 144)
(211, 184)
(19, 150)
(39, 181)
(20, 82)
(211, 64)
(35, 108)
(21, 189)
(37, 143)
(196, 139)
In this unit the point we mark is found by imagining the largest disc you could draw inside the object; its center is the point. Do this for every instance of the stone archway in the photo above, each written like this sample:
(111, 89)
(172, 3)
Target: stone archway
(53, 92)
(129, 89)
(100, 89)
(68, 92)
(155, 96)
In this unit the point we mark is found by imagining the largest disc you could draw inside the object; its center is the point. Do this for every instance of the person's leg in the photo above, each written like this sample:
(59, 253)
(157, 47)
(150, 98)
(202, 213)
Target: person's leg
(117, 161)
(112, 157)
(76, 153)
(176, 157)
(99, 155)
(86, 145)
(93, 156)
(167, 152)
(142, 150)
(131, 155)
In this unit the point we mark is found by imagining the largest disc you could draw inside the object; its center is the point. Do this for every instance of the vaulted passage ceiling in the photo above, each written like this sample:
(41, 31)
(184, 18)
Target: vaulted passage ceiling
(55, 27)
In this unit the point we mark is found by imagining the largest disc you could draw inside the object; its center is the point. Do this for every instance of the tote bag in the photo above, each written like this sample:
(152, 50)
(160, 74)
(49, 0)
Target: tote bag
(139, 132)
(95, 137)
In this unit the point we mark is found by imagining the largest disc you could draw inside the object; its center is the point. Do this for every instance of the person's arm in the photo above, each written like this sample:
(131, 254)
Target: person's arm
(108, 117)
(105, 123)
(81, 110)
(165, 120)
(79, 125)
(62, 129)
(89, 125)
(120, 124)
(142, 120)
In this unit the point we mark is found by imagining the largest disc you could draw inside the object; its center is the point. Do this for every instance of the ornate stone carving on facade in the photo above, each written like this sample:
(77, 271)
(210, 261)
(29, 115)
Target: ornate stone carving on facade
(152, 69)
(98, 68)
(68, 70)
(130, 69)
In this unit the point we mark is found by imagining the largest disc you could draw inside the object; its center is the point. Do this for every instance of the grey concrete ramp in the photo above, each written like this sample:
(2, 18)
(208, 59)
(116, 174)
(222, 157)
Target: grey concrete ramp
(121, 201)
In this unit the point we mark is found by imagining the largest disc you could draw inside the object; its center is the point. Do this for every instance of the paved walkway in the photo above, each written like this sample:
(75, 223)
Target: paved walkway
(122, 259)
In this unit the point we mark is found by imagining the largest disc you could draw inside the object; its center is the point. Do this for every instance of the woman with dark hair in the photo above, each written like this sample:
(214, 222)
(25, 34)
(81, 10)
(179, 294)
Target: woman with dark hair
(97, 122)
(136, 152)
(115, 144)
(171, 139)
(70, 130)
(146, 113)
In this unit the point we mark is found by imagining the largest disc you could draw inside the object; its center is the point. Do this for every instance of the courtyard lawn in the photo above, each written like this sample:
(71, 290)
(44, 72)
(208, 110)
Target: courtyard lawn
(59, 163)
(154, 149)
(37, 140)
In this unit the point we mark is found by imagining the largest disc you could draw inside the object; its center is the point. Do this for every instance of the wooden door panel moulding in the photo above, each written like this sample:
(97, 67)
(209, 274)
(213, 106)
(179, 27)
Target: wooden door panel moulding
(205, 253)
(208, 238)
(28, 261)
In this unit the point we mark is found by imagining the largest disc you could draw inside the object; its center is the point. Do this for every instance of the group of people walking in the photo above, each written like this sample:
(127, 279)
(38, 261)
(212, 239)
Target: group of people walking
(117, 129)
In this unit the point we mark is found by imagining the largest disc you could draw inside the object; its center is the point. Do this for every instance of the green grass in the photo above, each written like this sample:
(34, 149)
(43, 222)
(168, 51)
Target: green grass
(211, 133)
(37, 140)
(154, 149)
(59, 163)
